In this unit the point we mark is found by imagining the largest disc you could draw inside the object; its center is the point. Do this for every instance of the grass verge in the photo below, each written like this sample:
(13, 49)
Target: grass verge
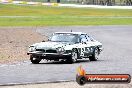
(15, 15)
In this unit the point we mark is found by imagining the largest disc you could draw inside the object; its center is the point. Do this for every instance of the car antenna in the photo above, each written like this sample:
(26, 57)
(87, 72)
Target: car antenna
(71, 30)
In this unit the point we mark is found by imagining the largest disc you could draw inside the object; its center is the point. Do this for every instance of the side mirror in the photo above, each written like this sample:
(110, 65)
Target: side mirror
(48, 39)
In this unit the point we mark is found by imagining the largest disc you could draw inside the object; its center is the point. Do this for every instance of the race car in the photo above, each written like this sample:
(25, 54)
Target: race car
(66, 46)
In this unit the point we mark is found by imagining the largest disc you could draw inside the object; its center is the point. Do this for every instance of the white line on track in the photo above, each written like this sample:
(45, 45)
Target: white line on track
(115, 17)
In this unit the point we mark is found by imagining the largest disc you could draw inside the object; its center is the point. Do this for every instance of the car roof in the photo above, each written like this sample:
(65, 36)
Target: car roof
(70, 33)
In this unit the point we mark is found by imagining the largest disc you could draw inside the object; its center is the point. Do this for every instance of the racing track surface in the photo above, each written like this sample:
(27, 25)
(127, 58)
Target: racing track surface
(115, 58)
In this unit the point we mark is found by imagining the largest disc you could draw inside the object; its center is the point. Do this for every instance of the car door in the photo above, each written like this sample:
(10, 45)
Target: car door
(84, 46)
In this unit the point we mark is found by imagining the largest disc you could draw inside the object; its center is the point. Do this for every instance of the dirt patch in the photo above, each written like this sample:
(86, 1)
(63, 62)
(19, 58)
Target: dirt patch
(14, 43)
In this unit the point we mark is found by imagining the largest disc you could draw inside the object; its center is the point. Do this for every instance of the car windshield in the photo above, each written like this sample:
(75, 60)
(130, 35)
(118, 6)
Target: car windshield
(59, 37)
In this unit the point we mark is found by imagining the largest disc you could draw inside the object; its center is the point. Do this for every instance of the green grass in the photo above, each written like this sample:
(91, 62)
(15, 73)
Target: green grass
(59, 16)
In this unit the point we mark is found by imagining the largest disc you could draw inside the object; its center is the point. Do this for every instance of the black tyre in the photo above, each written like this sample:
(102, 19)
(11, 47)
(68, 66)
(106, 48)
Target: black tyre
(73, 57)
(95, 55)
(34, 60)
(81, 80)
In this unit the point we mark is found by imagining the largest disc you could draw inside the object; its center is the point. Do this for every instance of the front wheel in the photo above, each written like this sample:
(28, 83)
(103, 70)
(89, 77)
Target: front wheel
(95, 55)
(34, 60)
(73, 57)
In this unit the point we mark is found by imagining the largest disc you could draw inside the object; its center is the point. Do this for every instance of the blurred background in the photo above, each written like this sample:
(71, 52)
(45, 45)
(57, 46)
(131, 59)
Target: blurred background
(88, 2)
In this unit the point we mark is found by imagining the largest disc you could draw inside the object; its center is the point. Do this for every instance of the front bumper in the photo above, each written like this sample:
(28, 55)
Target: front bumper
(49, 55)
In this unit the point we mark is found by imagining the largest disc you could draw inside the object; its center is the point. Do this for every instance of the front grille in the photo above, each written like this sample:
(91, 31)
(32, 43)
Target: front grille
(40, 50)
(47, 51)
(68, 51)
(51, 51)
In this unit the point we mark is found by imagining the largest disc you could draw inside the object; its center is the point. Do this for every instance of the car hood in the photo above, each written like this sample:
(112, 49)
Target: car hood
(50, 45)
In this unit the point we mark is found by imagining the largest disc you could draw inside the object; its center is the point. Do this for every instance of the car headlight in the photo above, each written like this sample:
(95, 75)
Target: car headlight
(32, 48)
(60, 50)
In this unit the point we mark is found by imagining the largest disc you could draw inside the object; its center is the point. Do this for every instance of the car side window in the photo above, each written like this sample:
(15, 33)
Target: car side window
(83, 38)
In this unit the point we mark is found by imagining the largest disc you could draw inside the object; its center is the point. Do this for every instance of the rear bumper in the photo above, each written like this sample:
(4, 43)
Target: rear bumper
(49, 55)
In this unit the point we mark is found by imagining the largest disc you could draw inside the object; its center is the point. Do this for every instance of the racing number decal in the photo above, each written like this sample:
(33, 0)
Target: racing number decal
(82, 51)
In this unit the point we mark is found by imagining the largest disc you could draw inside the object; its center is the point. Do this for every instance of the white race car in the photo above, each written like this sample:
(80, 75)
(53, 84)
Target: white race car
(67, 46)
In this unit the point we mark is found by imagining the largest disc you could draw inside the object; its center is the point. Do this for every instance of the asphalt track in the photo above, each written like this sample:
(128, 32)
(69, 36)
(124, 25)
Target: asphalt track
(116, 58)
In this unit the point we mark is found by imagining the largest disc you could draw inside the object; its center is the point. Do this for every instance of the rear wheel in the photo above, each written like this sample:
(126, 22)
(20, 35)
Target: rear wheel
(34, 60)
(95, 55)
(73, 57)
